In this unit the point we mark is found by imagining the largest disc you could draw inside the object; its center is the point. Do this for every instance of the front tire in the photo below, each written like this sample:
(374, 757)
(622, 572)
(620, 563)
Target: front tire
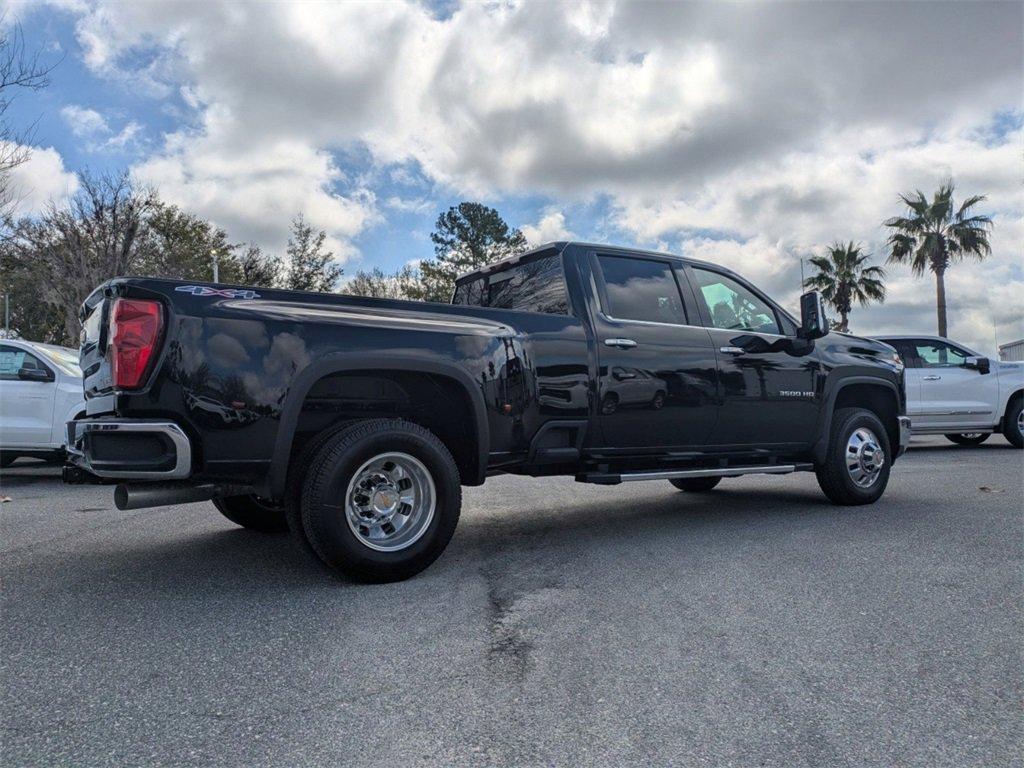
(1013, 427)
(381, 500)
(968, 438)
(252, 512)
(696, 484)
(857, 461)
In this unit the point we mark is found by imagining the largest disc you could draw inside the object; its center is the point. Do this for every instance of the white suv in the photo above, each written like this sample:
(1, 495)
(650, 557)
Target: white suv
(954, 391)
(40, 391)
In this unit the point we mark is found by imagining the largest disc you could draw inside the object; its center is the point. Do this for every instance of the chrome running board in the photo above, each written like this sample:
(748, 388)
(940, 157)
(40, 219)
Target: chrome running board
(614, 478)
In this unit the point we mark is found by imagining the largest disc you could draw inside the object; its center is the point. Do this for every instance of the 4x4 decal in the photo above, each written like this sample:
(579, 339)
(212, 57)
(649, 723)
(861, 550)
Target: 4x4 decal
(226, 293)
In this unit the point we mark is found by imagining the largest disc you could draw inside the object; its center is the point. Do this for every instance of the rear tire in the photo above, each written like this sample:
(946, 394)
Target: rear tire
(293, 486)
(696, 484)
(252, 512)
(968, 438)
(381, 500)
(1013, 429)
(857, 461)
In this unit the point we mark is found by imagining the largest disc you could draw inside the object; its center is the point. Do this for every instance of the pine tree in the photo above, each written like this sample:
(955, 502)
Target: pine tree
(310, 267)
(466, 237)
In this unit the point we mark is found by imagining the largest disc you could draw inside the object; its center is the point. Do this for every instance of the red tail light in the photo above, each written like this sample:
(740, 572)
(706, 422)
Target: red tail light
(134, 333)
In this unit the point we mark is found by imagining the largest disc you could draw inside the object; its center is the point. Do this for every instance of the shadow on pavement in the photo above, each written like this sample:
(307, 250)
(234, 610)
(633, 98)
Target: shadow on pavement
(135, 559)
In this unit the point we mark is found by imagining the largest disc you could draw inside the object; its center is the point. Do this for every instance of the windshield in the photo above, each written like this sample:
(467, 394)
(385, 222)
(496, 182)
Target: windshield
(63, 358)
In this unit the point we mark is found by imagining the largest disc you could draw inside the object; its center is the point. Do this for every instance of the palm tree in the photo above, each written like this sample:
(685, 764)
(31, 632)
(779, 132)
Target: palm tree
(843, 278)
(936, 235)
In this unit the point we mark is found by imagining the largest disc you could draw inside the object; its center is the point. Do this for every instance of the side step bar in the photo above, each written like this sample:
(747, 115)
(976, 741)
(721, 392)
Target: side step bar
(614, 478)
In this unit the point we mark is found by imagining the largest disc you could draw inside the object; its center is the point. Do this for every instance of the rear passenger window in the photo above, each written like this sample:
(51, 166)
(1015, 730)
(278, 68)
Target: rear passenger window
(906, 352)
(640, 289)
(537, 285)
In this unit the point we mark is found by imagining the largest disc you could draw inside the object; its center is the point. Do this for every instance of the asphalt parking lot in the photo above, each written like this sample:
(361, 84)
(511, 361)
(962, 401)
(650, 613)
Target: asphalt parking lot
(566, 625)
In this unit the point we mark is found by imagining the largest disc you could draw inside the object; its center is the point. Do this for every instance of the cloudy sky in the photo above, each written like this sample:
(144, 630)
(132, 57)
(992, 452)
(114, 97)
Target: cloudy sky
(749, 134)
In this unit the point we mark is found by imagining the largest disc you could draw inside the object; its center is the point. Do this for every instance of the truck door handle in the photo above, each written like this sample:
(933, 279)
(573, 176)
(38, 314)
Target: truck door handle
(733, 350)
(930, 378)
(620, 343)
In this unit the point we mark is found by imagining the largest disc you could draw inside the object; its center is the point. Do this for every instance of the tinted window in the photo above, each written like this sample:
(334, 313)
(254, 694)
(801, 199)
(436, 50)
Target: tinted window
(906, 352)
(939, 354)
(470, 293)
(733, 306)
(535, 286)
(640, 289)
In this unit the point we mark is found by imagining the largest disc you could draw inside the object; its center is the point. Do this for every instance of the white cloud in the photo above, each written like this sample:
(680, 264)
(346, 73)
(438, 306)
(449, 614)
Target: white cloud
(410, 205)
(40, 180)
(610, 97)
(255, 194)
(84, 122)
(550, 228)
(95, 130)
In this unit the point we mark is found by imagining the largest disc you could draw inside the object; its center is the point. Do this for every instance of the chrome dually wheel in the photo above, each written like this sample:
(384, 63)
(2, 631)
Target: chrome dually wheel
(390, 501)
(856, 464)
(864, 457)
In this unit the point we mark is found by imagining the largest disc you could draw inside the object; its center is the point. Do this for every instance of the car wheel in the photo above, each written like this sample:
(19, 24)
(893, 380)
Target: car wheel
(1013, 426)
(381, 500)
(968, 438)
(696, 484)
(252, 512)
(857, 461)
(609, 404)
(659, 401)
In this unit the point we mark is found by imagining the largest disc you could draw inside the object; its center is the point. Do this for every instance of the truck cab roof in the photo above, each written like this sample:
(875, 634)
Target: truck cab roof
(561, 245)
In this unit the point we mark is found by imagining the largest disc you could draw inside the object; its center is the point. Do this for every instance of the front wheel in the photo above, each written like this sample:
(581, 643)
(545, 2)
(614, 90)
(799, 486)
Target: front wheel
(968, 438)
(381, 500)
(252, 512)
(1013, 427)
(856, 466)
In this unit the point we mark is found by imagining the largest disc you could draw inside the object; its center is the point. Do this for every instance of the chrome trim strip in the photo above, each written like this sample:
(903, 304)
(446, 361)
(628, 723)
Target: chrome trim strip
(951, 413)
(77, 431)
(611, 319)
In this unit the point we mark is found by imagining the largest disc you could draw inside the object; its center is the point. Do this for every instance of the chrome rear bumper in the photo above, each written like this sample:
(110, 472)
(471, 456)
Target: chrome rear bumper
(130, 449)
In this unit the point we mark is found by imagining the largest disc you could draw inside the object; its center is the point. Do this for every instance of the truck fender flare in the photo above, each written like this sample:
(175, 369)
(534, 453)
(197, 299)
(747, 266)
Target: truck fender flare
(340, 362)
(821, 444)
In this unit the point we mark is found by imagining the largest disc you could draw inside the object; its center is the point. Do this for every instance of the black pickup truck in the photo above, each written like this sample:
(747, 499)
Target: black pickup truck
(354, 422)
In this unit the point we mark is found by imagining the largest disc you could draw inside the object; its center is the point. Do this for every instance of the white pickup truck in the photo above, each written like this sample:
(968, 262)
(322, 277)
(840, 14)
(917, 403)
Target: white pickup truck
(40, 391)
(954, 391)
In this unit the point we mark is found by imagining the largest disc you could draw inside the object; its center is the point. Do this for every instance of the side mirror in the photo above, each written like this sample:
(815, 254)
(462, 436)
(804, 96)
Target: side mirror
(34, 374)
(813, 323)
(979, 364)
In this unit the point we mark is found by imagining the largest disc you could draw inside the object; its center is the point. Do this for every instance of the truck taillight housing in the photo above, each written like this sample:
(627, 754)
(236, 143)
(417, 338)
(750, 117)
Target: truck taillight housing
(134, 334)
